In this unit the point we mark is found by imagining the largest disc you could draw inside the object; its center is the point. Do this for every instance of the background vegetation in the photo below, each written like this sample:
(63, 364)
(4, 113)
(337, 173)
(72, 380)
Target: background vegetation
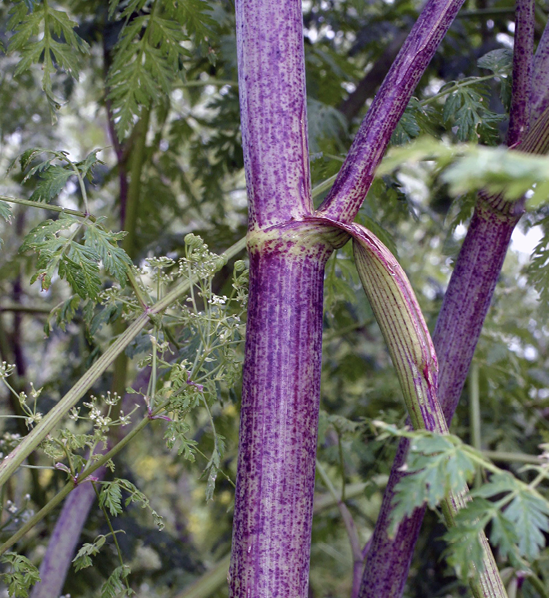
(142, 96)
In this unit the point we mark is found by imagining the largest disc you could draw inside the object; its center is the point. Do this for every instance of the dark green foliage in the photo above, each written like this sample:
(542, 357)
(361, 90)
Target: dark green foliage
(21, 576)
(45, 35)
(115, 586)
(78, 263)
(519, 514)
(538, 270)
(84, 556)
(149, 55)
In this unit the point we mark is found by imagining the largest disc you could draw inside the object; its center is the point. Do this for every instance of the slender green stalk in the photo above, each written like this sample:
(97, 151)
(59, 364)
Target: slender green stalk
(37, 517)
(209, 582)
(89, 471)
(53, 417)
(46, 206)
(507, 457)
(453, 88)
(352, 532)
(113, 533)
(214, 82)
(474, 415)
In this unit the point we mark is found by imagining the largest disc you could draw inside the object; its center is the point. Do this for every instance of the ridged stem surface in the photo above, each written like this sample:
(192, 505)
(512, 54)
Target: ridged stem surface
(519, 118)
(466, 303)
(458, 328)
(273, 109)
(279, 416)
(539, 92)
(372, 139)
(403, 326)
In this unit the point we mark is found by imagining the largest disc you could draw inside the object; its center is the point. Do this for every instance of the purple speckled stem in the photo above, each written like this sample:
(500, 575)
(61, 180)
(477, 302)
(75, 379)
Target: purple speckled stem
(271, 76)
(281, 383)
(278, 427)
(539, 92)
(65, 537)
(523, 55)
(357, 173)
(413, 354)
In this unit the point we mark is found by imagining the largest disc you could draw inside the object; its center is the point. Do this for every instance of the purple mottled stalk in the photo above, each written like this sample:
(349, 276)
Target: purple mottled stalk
(65, 537)
(539, 92)
(278, 428)
(519, 119)
(357, 173)
(271, 76)
(281, 383)
(458, 329)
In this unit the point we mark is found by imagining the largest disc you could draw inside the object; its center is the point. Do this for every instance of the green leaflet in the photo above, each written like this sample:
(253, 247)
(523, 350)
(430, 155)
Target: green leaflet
(38, 29)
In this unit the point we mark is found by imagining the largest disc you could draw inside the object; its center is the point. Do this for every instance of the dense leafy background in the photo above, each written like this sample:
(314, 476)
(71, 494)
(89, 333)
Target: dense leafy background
(78, 76)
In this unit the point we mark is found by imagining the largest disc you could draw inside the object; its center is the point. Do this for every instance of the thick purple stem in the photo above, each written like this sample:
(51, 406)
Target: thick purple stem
(357, 173)
(278, 427)
(539, 92)
(65, 537)
(271, 75)
(523, 55)
(281, 384)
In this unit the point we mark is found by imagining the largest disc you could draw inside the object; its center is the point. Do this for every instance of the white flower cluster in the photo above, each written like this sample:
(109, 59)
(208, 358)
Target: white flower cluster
(6, 369)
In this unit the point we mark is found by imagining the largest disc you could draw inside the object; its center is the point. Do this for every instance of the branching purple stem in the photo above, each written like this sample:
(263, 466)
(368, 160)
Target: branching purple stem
(372, 139)
(539, 93)
(519, 118)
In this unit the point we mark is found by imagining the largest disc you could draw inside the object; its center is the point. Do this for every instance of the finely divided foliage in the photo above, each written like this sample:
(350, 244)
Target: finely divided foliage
(172, 312)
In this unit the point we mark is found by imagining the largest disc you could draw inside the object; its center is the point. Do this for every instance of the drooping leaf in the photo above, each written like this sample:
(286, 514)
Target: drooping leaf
(115, 586)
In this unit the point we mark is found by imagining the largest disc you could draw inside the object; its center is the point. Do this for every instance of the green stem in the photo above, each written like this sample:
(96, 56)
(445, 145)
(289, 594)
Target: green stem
(402, 324)
(214, 82)
(454, 87)
(46, 206)
(37, 517)
(474, 415)
(81, 184)
(121, 560)
(12, 461)
(134, 191)
(508, 457)
(53, 417)
(70, 485)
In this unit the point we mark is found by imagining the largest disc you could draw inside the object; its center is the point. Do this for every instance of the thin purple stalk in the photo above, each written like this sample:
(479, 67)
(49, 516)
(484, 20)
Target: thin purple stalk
(63, 541)
(372, 139)
(273, 107)
(519, 118)
(539, 93)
